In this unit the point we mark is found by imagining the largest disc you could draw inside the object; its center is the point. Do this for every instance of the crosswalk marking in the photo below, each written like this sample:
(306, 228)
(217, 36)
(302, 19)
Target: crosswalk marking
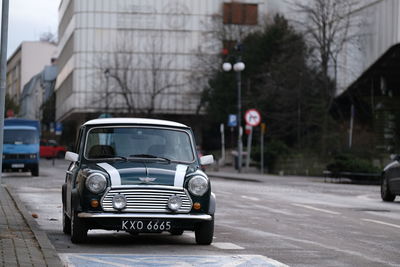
(126, 260)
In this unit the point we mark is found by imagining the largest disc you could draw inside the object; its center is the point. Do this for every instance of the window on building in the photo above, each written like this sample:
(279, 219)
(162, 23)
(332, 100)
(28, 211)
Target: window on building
(240, 13)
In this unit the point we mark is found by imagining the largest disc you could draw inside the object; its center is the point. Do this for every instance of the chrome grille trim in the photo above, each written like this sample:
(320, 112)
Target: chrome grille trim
(147, 198)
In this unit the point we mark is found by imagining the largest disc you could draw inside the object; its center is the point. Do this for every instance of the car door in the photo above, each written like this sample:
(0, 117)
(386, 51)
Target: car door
(71, 174)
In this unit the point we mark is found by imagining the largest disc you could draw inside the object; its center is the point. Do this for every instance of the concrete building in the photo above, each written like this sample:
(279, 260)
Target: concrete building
(28, 60)
(140, 57)
(372, 82)
(36, 92)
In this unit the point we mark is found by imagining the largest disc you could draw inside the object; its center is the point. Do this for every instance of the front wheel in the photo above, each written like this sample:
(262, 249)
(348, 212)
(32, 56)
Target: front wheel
(204, 232)
(78, 229)
(386, 194)
(66, 223)
(35, 170)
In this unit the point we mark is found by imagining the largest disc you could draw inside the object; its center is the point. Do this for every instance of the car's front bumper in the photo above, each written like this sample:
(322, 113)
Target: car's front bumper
(200, 217)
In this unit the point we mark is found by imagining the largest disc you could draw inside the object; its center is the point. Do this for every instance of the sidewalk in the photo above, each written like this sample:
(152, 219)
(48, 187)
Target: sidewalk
(22, 242)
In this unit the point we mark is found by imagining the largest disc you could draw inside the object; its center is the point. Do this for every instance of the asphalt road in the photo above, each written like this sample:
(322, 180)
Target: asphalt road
(297, 221)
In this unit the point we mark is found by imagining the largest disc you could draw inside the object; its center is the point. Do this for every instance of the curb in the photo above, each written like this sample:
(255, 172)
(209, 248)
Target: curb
(235, 176)
(49, 252)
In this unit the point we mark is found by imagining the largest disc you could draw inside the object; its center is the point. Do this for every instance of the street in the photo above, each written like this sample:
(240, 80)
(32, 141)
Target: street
(294, 221)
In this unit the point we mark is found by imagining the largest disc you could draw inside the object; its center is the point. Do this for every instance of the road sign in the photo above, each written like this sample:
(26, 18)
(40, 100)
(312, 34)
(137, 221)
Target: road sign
(58, 128)
(232, 120)
(263, 128)
(252, 117)
(248, 129)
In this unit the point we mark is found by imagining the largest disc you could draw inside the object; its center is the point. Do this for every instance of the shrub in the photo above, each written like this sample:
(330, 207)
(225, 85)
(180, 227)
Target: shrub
(351, 163)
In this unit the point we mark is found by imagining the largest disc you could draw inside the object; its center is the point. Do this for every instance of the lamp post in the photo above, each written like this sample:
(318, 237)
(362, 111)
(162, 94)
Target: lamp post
(238, 67)
(107, 74)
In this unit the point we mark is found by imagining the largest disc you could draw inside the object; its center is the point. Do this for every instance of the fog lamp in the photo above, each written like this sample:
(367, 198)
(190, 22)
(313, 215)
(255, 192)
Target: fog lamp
(197, 206)
(174, 203)
(94, 203)
(119, 202)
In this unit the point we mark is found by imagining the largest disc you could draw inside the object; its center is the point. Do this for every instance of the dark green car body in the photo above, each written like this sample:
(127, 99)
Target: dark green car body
(138, 176)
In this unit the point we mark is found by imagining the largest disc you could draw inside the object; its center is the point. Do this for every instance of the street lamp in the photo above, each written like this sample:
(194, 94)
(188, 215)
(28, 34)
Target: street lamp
(238, 67)
(107, 74)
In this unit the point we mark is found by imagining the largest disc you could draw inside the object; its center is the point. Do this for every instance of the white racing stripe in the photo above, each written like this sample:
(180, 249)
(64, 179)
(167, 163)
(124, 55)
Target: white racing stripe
(383, 223)
(180, 175)
(113, 172)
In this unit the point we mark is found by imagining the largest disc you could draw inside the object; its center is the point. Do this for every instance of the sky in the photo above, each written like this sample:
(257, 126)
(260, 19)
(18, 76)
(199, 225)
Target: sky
(28, 19)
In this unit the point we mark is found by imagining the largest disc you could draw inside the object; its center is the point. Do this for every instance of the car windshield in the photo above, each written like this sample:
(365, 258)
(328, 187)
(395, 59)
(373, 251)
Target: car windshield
(138, 142)
(19, 137)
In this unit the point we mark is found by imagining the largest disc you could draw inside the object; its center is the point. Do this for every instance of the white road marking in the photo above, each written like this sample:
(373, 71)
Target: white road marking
(380, 222)
(251, 198)
(189, 234)
(316, 209)
(94, 259)
(222, 245)
(124, 260)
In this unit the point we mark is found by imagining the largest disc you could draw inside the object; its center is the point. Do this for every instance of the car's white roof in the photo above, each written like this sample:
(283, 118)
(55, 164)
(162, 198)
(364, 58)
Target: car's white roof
(106, 121)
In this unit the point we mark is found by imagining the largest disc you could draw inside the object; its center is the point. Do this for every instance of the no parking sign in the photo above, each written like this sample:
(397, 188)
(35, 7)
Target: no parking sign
(252, 117)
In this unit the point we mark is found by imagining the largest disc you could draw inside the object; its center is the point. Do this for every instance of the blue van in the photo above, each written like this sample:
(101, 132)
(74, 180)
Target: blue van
(21, 145)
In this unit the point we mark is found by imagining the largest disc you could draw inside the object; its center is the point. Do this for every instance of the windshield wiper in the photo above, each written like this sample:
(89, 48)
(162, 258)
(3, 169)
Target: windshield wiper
(149, 156)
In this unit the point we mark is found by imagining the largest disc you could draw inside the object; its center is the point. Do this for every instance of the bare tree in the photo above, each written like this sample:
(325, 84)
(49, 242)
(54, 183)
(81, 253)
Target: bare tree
(218, 35)
(138, 79)
(330, 25)
(48, 37)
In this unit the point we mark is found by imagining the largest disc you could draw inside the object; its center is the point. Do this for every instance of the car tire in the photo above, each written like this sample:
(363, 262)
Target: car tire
(386, 194)
(66, 223)
(35, 170)
(78, 229)
(204, 232)
(176, 232)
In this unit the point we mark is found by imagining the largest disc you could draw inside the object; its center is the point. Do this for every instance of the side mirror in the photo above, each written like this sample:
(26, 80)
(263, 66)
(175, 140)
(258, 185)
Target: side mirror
(207, 160)
(395, 157)
(71, 156)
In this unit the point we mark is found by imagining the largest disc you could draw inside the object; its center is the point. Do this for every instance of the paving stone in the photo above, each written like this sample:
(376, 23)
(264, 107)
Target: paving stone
(18, 246)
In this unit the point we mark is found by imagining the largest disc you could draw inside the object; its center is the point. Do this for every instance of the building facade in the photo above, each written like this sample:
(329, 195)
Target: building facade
(142, 57)
(372, 81)
(28, 60)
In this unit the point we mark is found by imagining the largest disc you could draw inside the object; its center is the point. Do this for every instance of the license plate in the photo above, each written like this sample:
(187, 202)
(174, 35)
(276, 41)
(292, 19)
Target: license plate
(17, 165)
(146, 225)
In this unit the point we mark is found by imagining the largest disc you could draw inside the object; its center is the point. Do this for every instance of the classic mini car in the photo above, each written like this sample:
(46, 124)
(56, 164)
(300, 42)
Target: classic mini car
(139, 176)
(390, 185)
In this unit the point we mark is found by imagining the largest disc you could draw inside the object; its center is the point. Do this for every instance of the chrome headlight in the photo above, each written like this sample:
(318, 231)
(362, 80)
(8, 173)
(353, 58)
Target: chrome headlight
(198, 185)
(119, 201)
(96, 183)
(174, 202)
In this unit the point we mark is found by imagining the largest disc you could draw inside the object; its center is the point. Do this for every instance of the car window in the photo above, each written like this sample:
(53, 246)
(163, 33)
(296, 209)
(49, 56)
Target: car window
(17, 137)
(128, 141)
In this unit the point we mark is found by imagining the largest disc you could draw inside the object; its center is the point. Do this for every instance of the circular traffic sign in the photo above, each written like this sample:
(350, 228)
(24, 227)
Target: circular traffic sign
(252, 117)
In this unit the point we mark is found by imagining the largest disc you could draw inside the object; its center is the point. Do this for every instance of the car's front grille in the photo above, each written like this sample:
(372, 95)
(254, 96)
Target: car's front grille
(147, 199)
